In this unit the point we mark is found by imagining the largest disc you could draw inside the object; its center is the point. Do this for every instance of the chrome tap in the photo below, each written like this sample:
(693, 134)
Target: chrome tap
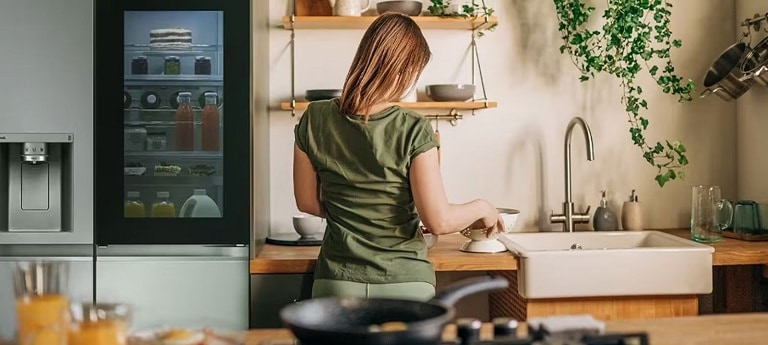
(569, 217)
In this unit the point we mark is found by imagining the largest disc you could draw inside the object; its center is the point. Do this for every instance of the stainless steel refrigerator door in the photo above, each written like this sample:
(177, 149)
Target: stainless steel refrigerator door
(80, 282)
(47, 87)
(192, 286)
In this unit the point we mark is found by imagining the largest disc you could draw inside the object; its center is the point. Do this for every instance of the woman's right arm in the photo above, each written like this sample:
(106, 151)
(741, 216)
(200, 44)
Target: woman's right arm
(439, 216)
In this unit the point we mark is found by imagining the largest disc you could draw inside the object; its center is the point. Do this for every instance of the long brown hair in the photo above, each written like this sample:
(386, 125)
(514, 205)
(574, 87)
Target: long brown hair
(391, 56)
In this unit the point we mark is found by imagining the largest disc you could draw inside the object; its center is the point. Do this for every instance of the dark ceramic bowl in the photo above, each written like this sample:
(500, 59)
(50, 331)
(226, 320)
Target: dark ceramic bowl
(411, 8)
(321, 94)
(450, 92)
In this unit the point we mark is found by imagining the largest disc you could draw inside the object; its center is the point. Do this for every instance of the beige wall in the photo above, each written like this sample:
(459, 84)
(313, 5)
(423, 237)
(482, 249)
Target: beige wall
(513, 155)
(752, 122)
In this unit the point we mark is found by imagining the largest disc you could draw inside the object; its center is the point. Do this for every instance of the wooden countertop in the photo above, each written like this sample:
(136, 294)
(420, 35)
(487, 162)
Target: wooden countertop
(732, 252)
(447, 257)
(730, 329)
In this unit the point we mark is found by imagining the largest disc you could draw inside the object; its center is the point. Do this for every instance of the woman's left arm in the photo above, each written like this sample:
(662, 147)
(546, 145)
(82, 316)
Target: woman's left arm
(306, 186)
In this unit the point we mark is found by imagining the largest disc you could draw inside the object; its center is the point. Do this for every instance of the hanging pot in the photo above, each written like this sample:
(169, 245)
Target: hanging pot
(756, 63)
(724, 77)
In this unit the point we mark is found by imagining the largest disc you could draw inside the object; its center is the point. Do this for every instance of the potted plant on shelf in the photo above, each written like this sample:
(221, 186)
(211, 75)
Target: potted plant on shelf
(635, 37)
(448, 8)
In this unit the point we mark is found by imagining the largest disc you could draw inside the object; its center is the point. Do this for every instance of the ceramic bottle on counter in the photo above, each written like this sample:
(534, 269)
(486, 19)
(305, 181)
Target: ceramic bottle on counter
(632, 213)
(605, 219)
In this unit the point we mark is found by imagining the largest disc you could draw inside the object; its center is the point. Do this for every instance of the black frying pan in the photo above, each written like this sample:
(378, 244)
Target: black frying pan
(326, 321)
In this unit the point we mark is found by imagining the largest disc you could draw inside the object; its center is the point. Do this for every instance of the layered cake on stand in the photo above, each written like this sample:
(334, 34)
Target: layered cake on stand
(175, 37)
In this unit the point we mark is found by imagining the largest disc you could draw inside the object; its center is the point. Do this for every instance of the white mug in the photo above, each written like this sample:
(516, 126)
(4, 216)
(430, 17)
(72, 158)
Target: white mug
(351, 8)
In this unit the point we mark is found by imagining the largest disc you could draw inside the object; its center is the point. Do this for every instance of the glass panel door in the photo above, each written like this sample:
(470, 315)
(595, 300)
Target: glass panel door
(175, 167)
(173, 114)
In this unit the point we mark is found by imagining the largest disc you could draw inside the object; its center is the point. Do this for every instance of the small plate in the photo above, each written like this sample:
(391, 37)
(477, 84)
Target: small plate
(209, 336)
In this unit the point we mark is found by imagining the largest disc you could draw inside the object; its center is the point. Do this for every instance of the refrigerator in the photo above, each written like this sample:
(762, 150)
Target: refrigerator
(46, 200)
(173, 163)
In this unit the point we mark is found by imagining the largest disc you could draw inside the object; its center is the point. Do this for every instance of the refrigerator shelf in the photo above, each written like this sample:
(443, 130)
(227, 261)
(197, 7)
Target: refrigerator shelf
(159, 123)
(178, 79)
(192, 181)
(166, 109)
(193, 50)
(175, 155)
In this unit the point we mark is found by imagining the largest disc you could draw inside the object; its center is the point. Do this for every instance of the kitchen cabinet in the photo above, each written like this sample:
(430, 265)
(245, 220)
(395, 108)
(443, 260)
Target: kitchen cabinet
(271, 292)
(294, 23)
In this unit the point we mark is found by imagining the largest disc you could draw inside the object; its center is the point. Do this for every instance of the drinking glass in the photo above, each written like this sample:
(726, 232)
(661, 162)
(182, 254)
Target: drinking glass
(42, 308)
(710, 214)
(99, 323)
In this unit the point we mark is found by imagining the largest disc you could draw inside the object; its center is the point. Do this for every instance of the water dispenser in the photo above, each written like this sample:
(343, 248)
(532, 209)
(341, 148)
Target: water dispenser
(36, 182)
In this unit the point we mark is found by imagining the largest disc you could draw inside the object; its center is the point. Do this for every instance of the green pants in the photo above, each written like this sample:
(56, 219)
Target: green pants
(418, 291)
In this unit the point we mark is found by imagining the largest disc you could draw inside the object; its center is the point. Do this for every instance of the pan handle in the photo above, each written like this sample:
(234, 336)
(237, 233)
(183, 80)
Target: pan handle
(465, 287)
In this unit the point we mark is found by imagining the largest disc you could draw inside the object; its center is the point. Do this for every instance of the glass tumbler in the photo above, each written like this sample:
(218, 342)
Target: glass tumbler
(100, 323)
(710, 214)
(42, 308)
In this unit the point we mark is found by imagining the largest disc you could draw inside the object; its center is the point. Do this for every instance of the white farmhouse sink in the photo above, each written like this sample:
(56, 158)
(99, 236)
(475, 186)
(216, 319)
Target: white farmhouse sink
(614, 263)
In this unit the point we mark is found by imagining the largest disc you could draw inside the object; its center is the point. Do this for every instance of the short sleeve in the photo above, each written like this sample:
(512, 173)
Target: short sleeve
(300, 131)
(423, 140)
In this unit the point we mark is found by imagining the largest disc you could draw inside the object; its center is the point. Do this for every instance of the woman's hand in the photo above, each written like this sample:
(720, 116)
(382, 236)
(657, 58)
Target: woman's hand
(491, 221)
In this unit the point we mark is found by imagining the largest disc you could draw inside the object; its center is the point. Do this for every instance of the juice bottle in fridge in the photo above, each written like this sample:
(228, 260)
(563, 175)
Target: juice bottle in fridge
(185, 123)
(163, 207)
(210, 123)
(134, 208)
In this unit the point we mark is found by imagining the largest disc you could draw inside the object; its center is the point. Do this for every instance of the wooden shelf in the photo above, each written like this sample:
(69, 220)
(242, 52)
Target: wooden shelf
(352, 23)
(417, 105)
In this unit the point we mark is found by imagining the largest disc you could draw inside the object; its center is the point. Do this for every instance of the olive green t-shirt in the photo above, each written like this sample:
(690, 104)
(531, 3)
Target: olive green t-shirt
(372, 234)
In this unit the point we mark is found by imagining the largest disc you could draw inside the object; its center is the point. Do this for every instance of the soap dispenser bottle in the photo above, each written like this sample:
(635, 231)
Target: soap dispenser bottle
(605, 219)
(632, 214)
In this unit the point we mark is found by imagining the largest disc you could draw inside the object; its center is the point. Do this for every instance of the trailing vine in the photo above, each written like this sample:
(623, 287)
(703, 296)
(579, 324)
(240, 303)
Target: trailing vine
(635, 36)
(442, 8)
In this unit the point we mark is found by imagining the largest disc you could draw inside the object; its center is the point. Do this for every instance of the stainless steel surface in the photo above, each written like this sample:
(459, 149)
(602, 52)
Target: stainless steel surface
(36, 137)
(191, 286)
(48, 88)
(569, 217)
(724, 77)
(756, 63)
(80, 282)
(35, 192)
(34, 153)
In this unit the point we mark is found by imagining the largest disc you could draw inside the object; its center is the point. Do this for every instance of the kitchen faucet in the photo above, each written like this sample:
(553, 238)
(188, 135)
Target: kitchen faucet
(569, 217)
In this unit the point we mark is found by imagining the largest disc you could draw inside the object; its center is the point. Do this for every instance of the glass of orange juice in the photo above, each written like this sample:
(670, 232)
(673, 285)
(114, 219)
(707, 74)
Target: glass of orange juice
(42, 308)
(99, 323)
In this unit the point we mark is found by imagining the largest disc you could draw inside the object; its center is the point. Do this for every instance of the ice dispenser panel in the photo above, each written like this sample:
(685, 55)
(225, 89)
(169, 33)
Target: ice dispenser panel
(35, 182)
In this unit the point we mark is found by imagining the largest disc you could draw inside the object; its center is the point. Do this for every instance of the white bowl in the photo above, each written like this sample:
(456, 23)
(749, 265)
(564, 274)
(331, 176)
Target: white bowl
(510, 219)
(308, 226)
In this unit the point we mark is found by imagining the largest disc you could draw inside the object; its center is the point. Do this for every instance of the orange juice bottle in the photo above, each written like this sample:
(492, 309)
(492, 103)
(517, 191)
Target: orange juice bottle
(163, 207)
(134, 208)
(211, 123)
(43, 320)
(185, 123)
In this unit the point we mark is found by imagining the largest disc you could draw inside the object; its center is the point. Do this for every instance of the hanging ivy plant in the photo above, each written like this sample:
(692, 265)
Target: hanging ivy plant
(635, 37)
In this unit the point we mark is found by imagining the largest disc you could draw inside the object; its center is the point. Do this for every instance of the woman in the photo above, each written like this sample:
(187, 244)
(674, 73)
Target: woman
(367, 166)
